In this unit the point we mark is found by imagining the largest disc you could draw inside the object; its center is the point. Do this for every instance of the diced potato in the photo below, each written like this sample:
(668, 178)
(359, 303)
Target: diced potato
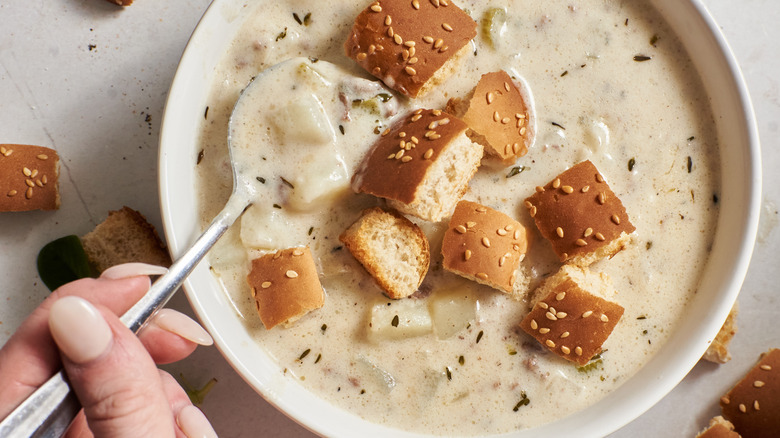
(375, 378)
(453, 306)
(303, 121)
(398, 319)
(596, 136)
(324, 176)
(265, 228)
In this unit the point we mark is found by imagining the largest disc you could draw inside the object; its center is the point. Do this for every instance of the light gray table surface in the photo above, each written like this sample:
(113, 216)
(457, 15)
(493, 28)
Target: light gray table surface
(90, 79)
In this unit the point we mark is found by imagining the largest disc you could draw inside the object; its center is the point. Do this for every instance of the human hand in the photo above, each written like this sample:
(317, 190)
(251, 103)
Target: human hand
(112, 371)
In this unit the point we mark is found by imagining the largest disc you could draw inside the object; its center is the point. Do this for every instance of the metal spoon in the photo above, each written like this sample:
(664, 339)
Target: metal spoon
(51, 408)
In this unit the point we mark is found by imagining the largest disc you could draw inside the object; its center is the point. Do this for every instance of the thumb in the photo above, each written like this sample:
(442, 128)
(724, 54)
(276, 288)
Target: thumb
(111, 373)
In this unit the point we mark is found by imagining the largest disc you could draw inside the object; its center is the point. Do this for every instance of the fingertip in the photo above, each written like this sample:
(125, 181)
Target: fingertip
(79, 329)
(182, 325)
(194, 423)
(128, 270)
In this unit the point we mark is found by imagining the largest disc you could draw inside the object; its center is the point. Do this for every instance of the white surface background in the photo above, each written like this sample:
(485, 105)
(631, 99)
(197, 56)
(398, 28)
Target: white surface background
(89, 79)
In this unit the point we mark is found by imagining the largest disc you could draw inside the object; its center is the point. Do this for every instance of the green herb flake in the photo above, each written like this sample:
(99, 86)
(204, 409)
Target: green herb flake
(287, 183)
(206, 113)
(200, 157)
(297, 18)
(319, 356)
(341, 129)
(282, 35)
(324, 327)
(307, 19)
(311, 230)
(197, 395)
(395, 321)
(690, 164)
(461, 360)
(654, 40)
(62, 261)
(558, 125)
(641, 58)
(641, 317)
(479, 336)
(277, 206)
(594, 363)
(449, 373)
(517, 170)
(649, 245)
(384, 97)
(524, 401)
(260, 179)
(565, 72)
(631, 164)
(304, 354)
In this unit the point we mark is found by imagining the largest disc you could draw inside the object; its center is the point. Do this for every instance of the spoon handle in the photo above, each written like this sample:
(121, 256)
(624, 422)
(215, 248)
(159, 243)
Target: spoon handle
(48, 411)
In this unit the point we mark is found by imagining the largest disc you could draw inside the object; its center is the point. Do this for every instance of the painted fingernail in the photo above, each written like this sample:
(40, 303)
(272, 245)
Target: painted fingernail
(128, 270)
(180, 324)
(194, 424)
(79, 329)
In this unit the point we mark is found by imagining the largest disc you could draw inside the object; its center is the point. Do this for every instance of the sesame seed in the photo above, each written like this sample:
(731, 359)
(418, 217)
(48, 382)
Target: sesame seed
(517, 234)
(544, 330)
(550, 343)
(581, 242)
(567, 189)
(438, 43)
(443, 49)
(390, 32)
(565, 334)
(376, 70)
(444, 121)
(410, 71)
(480, 209)
(28, 194)
(560, 296)
(565, 349)
(388, 20)
(385, 132)
(428, 39)
(543, 305)
(602, 198)
(539, 189)
(12, 193)
(26, 171)
(406, 159)
(428, 154)
(501, 261)
(38, 183)
(399, 154)
(496, 116)
(415, 140)
(433, 125)
(516, 148)
(467, 254)
(506, 86)
(615, 219)
(489, 97)
(556, 183)
(587, 313)
(371, 49)
(416, 117)
(604, 318)
(551, 316)
(758, 384)
(522, 130)
(362, 56)
(725, 400)
(534, 325)
(8, 152)
(482, 276)
(501, 232)
(460, 229)
(416, 4)
(29, 183)
(561, 315)
(397, 39)
(742, 408)
(486, 242)
(471, 224)
(434, 137)
(376, 8)
(436, 112)
(533, 211)
(585, 189)
(266, 284)
(599, 178)
(446, 27)
(552, 310)
(413, 60)
(600, 237)
(410, 44)
(756, 406)
(505, 120)
(435, 3)
(578, 351)
(559, 231)
(588, 232)
(391, 156)
(766, 367)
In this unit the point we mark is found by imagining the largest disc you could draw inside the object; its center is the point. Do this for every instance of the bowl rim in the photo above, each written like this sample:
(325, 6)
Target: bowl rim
(330, 420)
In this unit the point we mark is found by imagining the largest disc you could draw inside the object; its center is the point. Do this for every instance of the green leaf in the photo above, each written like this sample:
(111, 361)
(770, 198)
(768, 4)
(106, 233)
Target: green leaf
(62, 261)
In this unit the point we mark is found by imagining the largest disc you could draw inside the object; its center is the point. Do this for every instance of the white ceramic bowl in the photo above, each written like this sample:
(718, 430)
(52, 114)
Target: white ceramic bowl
(741, 188)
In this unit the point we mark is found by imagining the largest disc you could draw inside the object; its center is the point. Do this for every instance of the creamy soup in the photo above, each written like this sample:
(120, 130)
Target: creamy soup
(610, 83)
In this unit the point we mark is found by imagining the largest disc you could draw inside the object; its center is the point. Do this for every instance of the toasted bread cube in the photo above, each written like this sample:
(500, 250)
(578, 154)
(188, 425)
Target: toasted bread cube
(484, 245)
(391, 248)
(719, 428)
(498, 115)
(29, 178)
(569, 317)
(285, 286)
(718, 351)
(581, 216)
(422, 165)
(411, 45)
(753, 404)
